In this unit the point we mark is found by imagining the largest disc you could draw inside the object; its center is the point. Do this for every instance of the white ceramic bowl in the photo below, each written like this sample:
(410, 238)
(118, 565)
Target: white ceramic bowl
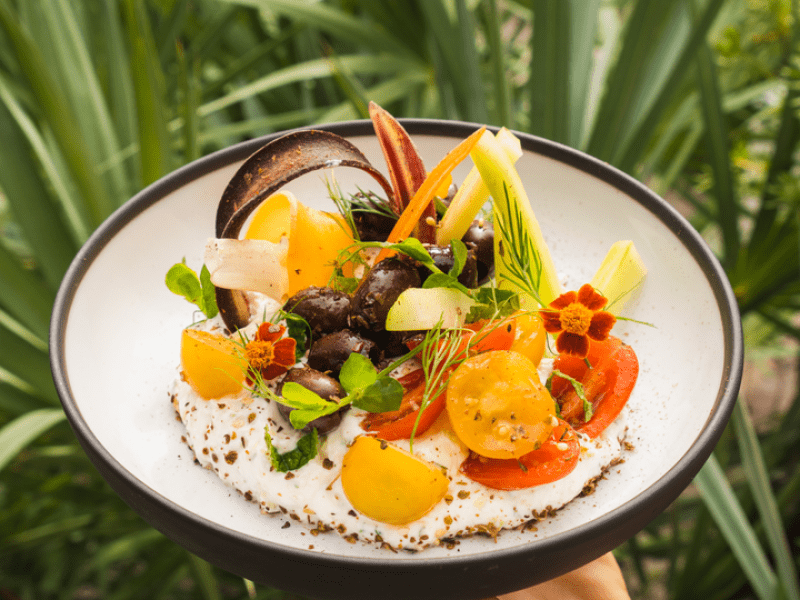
(115, 340)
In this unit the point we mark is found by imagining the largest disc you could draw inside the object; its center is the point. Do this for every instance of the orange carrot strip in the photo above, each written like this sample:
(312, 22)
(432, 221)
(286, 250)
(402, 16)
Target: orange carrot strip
(424, 195)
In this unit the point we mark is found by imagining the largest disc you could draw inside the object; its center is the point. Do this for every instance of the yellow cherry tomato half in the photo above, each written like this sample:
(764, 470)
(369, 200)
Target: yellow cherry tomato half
(498, 406)
(315, 238)
(530, 336)
(211, 363)
(388, 484)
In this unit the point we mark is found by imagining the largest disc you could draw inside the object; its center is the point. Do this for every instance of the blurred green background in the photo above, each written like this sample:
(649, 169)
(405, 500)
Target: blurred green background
(699, 99)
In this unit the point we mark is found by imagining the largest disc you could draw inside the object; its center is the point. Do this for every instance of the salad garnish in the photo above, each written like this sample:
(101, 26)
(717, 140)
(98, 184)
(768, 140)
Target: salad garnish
(270, 354)
(577, 318)
(184, 281)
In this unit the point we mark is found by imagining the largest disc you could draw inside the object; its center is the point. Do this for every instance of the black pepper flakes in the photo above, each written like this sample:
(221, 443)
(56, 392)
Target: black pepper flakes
(231, 457)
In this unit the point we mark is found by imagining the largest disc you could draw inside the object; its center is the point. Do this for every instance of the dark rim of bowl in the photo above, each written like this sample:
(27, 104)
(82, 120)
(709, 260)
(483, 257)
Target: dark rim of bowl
(676, 478)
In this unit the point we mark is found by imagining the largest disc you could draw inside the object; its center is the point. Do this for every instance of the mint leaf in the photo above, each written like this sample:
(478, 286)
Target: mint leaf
(413, 247)
(184, 281)
(357, 372)
(459, 250)
(306, 449)
(382, 395)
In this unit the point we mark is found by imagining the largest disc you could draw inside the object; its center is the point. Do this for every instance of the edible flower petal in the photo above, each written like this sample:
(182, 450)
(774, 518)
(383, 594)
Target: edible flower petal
(578, 317)
(268, 354)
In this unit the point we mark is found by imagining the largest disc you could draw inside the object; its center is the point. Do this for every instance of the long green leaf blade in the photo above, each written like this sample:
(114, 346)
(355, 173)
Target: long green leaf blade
(719, 155)
(651, 35)
(758, 478)
(56, 109)
(20, 432)
(632, 153)
(29, 198)
(732, 522)
(550, 87)
(149, 85)
(27, 362)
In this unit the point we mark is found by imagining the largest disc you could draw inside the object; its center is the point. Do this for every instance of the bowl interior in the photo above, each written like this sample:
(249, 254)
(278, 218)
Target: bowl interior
(122, 332)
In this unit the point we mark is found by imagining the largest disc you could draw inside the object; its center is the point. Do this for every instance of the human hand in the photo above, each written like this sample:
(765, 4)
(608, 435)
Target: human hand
(601, 579)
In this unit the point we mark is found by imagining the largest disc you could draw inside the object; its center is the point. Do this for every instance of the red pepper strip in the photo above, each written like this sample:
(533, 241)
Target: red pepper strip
(607, 385)
(398, 424)
(547, 464)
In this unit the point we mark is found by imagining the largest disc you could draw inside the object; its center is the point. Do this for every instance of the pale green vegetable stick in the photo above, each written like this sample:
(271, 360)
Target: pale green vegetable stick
(522, 259)
(472, 195)
(620, 275)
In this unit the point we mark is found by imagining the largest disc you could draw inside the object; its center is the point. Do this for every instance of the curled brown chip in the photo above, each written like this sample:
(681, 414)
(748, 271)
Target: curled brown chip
(263, 174)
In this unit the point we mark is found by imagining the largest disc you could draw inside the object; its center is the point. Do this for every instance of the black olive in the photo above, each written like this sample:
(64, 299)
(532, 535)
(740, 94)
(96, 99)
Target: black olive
(321, 384)
(481, 236)
(325, 310)
(329, 353)
(443, 259)
(378, 291)
(391, 343)
(372, 217)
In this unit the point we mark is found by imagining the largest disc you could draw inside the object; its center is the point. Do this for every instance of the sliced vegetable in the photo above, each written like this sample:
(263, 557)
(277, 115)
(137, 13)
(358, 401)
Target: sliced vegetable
(555, 459)
(497, 405)
(406, 169)
(254, 265)
(212, 364)
(388, 484)
(472, 195)
(607, 385)
(418, 308)
(620, 275)
(425, 194)
(399, 424)
(522, 259)
(315, 238)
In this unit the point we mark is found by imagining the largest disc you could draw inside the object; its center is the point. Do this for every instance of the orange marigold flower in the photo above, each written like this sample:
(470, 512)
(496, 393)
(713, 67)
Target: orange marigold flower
(576, 317)
(268, 354)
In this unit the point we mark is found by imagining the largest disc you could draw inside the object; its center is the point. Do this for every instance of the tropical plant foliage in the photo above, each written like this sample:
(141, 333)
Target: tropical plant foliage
(98, 98)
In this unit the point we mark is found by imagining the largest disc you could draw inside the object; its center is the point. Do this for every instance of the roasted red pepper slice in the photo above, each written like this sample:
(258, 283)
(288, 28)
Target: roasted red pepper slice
(555, 459)
(607, 385)
(398, 424)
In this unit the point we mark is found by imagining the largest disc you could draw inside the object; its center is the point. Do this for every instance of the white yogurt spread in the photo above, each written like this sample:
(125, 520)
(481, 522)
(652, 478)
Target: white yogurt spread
(227, 436)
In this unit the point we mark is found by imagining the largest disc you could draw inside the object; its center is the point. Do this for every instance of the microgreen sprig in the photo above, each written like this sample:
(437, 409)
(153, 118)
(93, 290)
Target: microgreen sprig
(182, 280)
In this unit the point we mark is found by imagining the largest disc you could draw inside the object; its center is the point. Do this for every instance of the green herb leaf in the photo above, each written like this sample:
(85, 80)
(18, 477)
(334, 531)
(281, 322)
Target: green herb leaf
(588, 409)
(443, 280)
(298, 329)
(306, 449)
(493, 303)
(184, 281)
(459, 250)
(357, 372)
(382, 395)
(297, 396)
(413, 247)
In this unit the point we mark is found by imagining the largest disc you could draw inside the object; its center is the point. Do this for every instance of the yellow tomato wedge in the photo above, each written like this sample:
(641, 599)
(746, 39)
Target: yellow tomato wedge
(529, 337)
(315, 238)
(211, 364)
(498, 406)
(388, 484)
